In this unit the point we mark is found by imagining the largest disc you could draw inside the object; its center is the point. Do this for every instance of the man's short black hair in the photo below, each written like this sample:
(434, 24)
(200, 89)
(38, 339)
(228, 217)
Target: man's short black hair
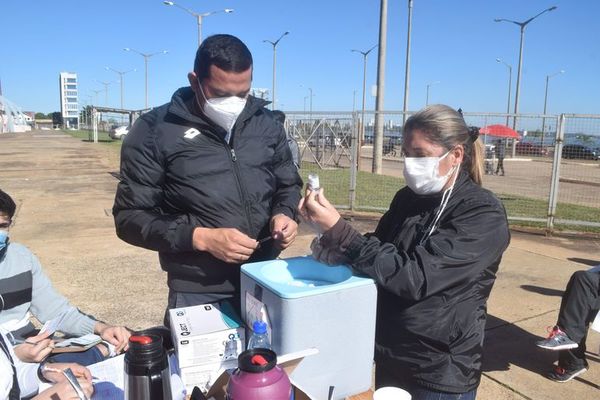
(279, 116)
(7, 205)
(223, 51)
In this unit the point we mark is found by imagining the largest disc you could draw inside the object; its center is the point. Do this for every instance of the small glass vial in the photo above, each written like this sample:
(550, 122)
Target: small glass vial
(313, 182)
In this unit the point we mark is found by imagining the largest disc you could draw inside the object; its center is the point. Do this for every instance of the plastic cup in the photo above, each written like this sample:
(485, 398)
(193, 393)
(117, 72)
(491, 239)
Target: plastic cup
(391, 393)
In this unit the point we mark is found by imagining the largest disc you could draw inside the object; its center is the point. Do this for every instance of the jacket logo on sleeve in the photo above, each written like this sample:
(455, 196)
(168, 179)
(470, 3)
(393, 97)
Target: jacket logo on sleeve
(191, 133)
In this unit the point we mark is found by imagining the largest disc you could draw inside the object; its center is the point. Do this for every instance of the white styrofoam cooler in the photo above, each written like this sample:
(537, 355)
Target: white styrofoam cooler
(310, 304)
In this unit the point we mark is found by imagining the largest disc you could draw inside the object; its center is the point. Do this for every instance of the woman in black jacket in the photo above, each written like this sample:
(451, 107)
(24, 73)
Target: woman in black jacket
(434, 257)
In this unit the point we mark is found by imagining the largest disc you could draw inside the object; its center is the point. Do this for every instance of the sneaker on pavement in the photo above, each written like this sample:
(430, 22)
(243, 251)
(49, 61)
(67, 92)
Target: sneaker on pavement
(559, 374)
(557, 340)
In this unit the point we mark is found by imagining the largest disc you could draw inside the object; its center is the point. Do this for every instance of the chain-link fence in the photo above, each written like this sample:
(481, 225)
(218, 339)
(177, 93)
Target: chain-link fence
(549, 177)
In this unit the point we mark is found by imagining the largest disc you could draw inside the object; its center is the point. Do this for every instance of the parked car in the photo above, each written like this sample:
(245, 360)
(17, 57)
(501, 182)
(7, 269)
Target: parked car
(119, 132)
(580, 151)
(531, 149)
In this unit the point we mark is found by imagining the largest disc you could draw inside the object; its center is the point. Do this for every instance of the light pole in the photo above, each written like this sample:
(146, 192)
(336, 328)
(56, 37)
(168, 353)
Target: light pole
(198, 16)
(522, 25)
(407, 68)
(364, 93)
(274, 44)
(378, 128)
(427, 97)
(509, 86)
(105, 91)
(146, 57)
(562, 71)
(121, 74)
(96, 95)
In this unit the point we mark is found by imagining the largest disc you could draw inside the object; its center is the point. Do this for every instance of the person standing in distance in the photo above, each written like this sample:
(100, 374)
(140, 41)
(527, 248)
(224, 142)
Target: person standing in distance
(207, 175)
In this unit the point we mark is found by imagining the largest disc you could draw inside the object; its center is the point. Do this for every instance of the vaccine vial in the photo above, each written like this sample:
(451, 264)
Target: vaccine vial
(313, 182)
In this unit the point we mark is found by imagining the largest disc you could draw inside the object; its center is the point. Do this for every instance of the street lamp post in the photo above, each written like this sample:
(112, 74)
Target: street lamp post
(428, 86)
(198, 16)
(378, 128)
(274, 44)
(121, 74)
(509, 86)
(562, 71)
(96, 95)
(522, 25)
(105, 91)
(407, 68)
(361, 137)
(146, 57)
(365, 54)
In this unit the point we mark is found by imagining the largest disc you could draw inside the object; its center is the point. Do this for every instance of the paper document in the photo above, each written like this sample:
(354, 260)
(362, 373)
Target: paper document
(257, 311)
(53, 325)
(83, 341)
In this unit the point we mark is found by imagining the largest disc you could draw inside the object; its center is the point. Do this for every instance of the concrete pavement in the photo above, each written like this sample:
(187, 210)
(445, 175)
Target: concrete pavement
(64, 189)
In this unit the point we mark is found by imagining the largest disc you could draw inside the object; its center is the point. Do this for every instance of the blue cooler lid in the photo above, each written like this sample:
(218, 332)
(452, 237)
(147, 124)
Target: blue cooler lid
(297, 277)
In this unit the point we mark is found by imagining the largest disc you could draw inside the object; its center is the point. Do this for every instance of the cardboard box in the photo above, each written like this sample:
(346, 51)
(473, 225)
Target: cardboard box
(206, 338)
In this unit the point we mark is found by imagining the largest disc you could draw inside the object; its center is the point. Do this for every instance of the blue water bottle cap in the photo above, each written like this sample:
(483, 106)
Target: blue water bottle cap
(259, 327)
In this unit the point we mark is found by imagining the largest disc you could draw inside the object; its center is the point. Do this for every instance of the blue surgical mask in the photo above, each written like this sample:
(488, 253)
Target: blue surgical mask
(3, 241)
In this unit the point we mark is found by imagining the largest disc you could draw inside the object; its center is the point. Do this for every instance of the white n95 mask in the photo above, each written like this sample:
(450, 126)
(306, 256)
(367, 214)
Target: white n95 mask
(223, 111)
(422, 174)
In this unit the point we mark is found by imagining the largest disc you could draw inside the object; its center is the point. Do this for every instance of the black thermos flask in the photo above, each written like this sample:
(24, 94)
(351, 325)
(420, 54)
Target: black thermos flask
(147, 374)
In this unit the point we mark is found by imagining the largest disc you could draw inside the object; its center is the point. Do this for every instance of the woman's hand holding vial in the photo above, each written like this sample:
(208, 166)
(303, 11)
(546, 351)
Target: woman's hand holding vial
(316, 209)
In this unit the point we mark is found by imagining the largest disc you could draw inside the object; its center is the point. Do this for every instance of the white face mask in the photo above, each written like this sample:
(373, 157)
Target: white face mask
(223, 111)
(422, 174)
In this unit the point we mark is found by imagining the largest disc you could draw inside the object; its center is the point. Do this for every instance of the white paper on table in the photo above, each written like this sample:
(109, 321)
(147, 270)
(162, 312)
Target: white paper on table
(108, 377)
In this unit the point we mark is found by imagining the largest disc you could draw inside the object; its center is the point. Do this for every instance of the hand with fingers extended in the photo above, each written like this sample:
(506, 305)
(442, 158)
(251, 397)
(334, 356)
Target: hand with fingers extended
(118, 336)
(227, 244)
(35, 348)
(53, 372)
(283, 230)
(318, 211)
(65, 391)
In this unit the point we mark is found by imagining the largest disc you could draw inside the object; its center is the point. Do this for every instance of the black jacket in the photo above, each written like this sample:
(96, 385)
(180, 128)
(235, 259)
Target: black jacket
(178, 173)
(432, 300)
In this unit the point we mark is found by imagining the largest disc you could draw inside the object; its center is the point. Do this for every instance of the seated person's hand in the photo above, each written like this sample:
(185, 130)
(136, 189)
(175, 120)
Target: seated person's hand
(64, 391)
(316, 210)
(53, 371)
(118, 336)
(35, 348)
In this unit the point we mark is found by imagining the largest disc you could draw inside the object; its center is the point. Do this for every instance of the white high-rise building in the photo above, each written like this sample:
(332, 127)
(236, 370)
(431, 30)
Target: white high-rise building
(69, 104)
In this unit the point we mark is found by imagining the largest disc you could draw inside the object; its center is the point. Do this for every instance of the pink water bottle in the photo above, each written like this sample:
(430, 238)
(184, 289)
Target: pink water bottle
(258, 377)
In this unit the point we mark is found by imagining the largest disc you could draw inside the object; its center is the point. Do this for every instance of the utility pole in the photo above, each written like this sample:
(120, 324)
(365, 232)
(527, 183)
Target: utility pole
(378, 139)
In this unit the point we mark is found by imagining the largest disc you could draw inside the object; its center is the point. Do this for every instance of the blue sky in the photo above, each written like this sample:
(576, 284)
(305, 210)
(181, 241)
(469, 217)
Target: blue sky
(454, 42)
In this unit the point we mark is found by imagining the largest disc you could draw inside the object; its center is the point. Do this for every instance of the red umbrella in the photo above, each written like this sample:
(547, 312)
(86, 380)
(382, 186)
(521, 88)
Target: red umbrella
(499, 131)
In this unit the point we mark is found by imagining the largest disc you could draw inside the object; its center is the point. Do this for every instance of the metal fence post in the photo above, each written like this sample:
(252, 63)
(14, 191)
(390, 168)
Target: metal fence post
(95, 122)
(555, 177)
(354, 160)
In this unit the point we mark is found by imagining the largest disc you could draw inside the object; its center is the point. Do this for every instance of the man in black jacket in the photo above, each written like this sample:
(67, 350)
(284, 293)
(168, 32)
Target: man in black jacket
(208, 178)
